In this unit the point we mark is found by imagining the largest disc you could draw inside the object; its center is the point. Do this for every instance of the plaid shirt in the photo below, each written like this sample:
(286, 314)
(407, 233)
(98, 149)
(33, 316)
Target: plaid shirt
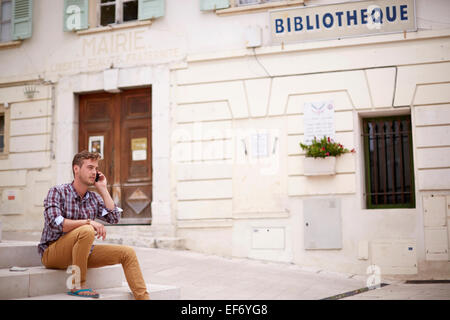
(63, 202)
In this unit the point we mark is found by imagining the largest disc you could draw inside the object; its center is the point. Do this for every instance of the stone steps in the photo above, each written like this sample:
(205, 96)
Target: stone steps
(156, 292)
(38, 282)
(19, 254)
(146, 241)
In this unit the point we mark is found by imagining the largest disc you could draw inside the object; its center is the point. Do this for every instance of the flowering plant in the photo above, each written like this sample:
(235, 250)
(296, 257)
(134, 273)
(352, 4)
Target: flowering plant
(324, 147)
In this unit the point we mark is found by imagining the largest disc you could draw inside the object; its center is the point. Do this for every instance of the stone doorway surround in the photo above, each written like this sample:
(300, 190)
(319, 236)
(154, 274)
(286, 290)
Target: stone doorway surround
(66, 129)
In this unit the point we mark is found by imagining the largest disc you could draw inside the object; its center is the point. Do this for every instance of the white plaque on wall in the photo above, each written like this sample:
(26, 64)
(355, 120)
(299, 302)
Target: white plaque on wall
(259, 145)
(318, 120)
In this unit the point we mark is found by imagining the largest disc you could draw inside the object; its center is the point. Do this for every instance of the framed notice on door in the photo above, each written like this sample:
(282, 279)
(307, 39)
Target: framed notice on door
(96, 144)
(139, 149)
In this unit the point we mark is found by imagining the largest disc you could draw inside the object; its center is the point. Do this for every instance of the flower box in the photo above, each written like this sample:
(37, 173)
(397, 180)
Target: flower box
(319, 166)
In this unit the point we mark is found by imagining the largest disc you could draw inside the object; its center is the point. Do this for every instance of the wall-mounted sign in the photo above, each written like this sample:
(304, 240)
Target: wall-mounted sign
(318, 120)
(259, 145)
(139, 149)
(342, 20)
(11, 202)
(96, 144)
(11, 194)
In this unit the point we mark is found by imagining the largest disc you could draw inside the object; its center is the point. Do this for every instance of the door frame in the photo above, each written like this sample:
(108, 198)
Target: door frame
(66, 133)
(116, 123)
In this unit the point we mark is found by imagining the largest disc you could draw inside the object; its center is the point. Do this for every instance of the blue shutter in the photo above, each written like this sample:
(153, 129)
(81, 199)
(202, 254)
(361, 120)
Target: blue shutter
(206, 5)
(75, 15)
(149, 9)
(22, 19)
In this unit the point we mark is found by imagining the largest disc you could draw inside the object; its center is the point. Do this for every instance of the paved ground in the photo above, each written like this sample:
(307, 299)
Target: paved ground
(402, 291)
(201, 276)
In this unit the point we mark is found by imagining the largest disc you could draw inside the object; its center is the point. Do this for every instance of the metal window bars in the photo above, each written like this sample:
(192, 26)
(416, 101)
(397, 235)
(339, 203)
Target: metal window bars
(389, 167)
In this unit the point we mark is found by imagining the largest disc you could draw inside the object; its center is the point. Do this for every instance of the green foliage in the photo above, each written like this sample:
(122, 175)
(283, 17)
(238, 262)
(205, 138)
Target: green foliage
(323, 148)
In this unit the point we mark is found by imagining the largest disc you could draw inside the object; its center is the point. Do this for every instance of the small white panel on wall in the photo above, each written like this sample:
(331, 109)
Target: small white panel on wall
(448, 223)
(448, 236)
(436, 244)
(12, 202)
(394, 256)
(111, 80)
(322, 224)
(448, 206)
(268, 238)
(363, 250)
(253, 36)
(434, 211)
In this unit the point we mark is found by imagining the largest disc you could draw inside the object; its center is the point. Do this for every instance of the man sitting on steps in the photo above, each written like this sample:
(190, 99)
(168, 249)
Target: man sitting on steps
(70, 229)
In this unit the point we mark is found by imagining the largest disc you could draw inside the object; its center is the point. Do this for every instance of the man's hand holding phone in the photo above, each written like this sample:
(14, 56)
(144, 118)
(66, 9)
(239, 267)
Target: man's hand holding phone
(101, 186)
(100, 181)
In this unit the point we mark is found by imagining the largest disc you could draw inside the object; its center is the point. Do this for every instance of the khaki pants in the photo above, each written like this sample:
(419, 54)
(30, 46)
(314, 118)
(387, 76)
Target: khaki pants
(73, 249)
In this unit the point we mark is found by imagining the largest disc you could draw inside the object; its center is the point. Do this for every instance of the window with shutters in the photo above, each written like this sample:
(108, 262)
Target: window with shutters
(5, 20)
(117, 11)
(93, 16)
(226, 7)
(389, 162)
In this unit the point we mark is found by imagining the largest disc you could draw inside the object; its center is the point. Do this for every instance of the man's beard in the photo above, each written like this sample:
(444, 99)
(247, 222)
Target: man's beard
(87, 182)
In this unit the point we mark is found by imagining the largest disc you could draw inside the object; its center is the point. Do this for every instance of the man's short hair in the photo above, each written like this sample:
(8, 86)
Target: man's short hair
(84, 155)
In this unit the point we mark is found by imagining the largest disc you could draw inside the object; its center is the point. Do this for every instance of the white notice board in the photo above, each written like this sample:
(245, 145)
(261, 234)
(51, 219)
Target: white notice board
(318, 120)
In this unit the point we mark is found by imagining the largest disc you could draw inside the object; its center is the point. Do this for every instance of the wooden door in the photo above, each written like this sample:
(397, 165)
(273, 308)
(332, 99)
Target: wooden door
(119, 126)
(135, 160)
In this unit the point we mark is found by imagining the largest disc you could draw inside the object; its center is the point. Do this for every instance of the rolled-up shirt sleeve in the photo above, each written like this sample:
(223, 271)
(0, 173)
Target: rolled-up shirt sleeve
(53, 211)
(105, 214)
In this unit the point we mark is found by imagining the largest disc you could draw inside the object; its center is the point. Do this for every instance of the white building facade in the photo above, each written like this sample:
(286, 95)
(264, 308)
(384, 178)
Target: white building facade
(214, 158)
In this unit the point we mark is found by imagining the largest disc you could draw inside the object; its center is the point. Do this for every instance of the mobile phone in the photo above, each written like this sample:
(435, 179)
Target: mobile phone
(97, 176)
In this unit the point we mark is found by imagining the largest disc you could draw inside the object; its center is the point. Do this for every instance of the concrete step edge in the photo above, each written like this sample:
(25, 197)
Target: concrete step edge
(156, 292)
(37, 281)
(19, 253)
(149, 242)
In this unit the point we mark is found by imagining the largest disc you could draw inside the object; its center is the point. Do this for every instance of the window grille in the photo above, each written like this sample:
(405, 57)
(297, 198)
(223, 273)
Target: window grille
(389, 162)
